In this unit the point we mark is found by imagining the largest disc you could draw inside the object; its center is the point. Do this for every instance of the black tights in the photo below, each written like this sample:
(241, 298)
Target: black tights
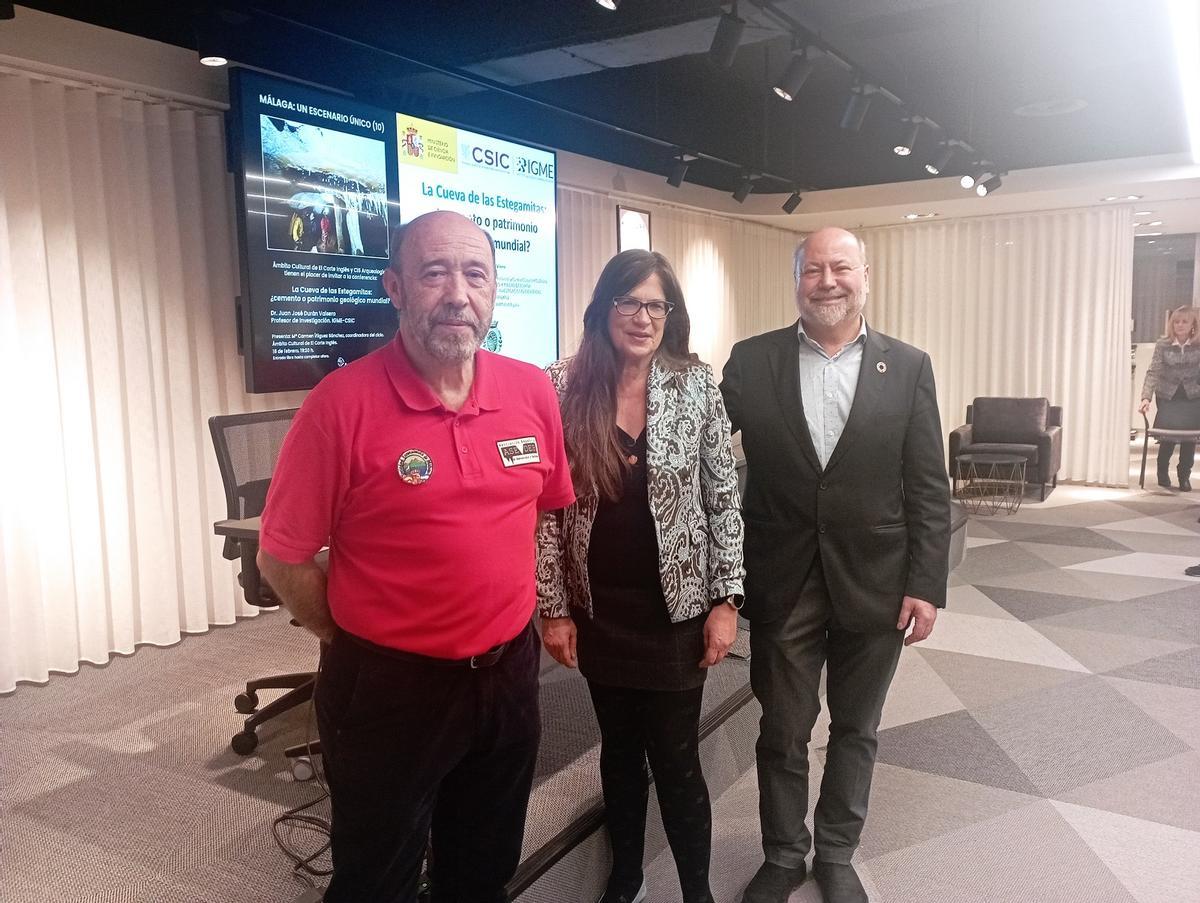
(662, 726)
(1187, 457)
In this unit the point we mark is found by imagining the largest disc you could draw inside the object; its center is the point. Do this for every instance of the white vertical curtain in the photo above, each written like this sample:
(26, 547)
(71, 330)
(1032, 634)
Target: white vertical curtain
(117, 342)
(1030, 305)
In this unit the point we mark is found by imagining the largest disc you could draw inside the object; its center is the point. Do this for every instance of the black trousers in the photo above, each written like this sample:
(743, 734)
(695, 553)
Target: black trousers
(412, 746)
(662, 726)
(787, 655)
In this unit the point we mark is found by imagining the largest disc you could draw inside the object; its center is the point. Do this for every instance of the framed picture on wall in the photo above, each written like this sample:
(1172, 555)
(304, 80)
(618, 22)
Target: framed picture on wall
(633, 228)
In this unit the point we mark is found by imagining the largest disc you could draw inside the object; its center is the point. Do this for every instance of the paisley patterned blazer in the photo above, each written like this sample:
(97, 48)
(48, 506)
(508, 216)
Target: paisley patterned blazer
(692, 483)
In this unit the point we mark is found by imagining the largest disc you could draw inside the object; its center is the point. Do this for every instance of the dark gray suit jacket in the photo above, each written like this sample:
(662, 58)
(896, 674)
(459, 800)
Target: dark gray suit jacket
(878, 514)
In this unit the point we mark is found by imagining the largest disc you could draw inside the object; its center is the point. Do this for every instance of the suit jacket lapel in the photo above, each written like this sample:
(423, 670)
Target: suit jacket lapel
(785, 367)
(866, 396)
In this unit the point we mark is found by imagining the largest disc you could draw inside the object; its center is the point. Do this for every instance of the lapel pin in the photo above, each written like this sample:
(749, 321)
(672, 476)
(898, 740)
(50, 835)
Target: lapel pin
(881, 367)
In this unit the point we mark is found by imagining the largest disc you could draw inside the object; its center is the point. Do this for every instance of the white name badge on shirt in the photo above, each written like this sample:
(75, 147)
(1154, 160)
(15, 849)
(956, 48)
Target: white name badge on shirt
(515, 452)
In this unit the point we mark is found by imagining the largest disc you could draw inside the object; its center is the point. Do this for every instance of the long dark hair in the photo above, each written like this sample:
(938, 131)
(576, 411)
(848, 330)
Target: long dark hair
(589, 405)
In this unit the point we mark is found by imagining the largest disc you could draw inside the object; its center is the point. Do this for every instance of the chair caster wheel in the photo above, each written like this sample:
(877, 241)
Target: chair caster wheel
(302, 769)
(246, 703)
(244, 743)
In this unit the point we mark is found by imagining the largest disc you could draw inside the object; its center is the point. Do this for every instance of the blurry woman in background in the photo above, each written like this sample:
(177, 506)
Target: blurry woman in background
(639, 581)
(1174, 381)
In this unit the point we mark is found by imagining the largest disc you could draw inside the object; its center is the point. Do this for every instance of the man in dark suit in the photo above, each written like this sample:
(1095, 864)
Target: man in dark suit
(847, 512)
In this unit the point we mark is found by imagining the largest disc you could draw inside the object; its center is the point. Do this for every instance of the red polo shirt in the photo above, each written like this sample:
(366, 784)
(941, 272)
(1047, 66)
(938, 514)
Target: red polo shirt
(429, 514)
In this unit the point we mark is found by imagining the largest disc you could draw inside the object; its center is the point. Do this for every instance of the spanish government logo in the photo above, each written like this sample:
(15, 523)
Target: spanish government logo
(493, 341)
(415, 467)
(412, 143)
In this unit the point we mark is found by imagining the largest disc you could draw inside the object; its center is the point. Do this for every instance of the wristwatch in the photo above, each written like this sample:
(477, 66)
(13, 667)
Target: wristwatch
(736, 600)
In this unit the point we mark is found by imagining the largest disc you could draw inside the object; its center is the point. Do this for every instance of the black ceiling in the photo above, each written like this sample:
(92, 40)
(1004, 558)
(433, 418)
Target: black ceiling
(642, 84)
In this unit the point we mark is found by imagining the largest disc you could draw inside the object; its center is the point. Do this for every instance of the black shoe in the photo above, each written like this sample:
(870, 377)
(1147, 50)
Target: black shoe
(1185, 483)
(1193, 571)
(628, 895)
(773, 883)
(838, 882)
(1164, 481)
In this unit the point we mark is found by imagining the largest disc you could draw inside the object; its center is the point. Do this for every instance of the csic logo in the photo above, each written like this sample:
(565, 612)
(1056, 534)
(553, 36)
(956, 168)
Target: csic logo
(486, 156)
(412, 144)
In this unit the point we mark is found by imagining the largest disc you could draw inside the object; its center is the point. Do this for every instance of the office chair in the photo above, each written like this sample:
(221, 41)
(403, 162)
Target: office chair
(247, 447)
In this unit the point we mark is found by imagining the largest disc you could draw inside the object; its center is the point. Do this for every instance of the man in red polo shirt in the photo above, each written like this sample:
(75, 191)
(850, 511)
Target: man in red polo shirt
(423, 467)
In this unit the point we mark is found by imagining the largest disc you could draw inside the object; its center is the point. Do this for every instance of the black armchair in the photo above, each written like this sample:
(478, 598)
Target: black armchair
(1031, 427)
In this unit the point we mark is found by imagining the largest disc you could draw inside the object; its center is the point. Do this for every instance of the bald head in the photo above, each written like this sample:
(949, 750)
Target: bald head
(437, 220)
(822, 238)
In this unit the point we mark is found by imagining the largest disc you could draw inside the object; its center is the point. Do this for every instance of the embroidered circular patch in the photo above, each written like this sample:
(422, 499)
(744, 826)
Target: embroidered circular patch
(415, 467)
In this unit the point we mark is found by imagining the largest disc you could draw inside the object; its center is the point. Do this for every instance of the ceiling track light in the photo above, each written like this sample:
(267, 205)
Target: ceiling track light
(988, 185)
(793, 201)
(744, 187)
(937, 166)
(679, 168)
(798, 70)
(609, 4)
(727, 38)
(972, 176)
(857, 106)
(908, 140)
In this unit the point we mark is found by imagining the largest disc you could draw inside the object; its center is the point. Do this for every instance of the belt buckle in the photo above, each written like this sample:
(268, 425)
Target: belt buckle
(474, 663)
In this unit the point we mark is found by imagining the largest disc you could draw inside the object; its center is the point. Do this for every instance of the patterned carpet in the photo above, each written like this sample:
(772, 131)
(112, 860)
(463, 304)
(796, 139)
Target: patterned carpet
(1044, 744)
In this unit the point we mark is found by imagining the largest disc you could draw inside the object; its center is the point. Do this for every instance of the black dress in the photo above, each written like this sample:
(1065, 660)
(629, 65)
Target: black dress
(630, 640)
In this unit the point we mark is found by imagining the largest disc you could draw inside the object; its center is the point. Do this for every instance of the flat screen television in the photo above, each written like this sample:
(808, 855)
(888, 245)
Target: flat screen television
(322, 180)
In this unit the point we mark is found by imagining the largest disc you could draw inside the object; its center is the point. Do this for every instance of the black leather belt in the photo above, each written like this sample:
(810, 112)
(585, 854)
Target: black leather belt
(475, 662)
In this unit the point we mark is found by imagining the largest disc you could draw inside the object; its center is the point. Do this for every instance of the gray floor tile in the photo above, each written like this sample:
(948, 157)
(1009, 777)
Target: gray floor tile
(1167, 792)
(1100, 651)
(954, 746)
(1175, 708)
(1179, 669)
(1026, 855)
(1075, 733)
(1028, 605)
(981, 682)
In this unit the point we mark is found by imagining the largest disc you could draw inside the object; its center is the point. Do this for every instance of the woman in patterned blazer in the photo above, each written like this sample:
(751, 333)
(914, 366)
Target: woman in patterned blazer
(640, 579)
(1173, 379)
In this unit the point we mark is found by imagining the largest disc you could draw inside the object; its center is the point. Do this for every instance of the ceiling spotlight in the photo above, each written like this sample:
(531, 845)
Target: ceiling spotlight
(938, 166)
(793, 201)
(988, 185)
(794, 77)
(909, 140)
(744, 188)
(609, 4)
(213, 61)
(727, 38)
(679, 168)
(1132, 197)
(857, 106)
(972, 176)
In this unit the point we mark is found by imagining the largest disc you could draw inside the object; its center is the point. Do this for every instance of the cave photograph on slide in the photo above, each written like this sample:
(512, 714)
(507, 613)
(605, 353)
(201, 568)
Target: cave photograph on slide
(323, 190)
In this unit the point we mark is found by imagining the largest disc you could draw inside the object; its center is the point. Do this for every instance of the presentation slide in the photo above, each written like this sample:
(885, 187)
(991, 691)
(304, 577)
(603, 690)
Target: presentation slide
(322, 182)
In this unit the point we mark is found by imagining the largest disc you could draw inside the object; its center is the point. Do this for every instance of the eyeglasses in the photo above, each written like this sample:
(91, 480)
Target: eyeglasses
(629, 307)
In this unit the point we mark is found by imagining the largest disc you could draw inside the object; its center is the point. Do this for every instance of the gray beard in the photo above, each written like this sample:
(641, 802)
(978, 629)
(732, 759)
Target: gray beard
(828, 314)
(448, 347)
(832, 314)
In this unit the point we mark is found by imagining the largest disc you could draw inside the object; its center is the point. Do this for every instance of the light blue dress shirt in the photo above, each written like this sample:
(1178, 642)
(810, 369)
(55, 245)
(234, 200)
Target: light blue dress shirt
(827, 387)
